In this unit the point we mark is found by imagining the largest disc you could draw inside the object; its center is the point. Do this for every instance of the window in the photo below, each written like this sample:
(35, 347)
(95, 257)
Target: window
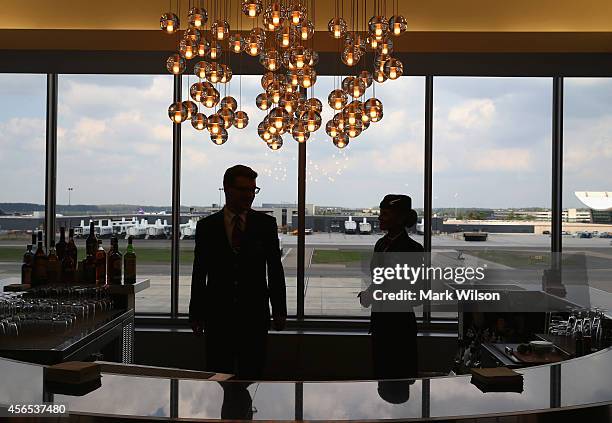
(492, 171)
(350, 183)
(115, 161)
(22, 167)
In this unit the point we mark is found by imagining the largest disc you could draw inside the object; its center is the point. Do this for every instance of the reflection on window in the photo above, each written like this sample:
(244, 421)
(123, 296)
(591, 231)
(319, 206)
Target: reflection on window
(114, 162)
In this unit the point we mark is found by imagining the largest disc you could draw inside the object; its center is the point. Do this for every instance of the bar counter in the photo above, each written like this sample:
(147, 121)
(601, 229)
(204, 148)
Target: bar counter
(576, 383)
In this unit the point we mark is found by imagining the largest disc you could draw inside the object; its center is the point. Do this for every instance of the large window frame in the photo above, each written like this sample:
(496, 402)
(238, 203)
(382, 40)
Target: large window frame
(474, 65)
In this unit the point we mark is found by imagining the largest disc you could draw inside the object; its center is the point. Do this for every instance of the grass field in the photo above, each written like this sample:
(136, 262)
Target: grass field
(144, 255)
(518, 259)
(338, 256)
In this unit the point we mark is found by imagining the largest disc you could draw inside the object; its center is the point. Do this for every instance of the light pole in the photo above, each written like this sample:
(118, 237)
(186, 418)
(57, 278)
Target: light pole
(70, 189)
(220, 191)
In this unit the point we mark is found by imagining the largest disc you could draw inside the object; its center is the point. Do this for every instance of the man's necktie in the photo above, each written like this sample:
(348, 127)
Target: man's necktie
(236, 233)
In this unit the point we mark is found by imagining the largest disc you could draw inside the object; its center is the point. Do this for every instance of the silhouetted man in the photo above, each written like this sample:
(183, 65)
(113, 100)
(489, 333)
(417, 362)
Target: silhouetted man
(230, 296)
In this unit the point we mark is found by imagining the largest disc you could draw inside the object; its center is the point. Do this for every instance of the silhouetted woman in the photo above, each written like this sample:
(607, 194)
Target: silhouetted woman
(394, 333)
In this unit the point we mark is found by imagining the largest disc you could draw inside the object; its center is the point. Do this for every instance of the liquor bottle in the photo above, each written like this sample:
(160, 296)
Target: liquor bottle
(91, 244)
(71, 248)
(129, 264)
(89, 266)
(100, 264)
(33, 239)
(114, 263)
(68, 269)
(54, 266)
(60, 247)
(39, 267)
(26, 267)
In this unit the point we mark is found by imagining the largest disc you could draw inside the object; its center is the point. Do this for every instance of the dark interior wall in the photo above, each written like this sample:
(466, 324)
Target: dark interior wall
(292, 356)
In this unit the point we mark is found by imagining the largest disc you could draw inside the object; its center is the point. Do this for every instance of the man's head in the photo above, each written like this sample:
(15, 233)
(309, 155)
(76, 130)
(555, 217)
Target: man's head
(239, 186)
(396, 212)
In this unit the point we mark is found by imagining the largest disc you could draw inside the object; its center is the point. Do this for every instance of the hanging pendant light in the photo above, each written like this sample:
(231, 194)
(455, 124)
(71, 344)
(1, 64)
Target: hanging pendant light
(188, 48)
(253, 46)
(214, 72)
(263, 132)
(198, 121)
(366, 77)
(220, 137)
(177, 112)
(306, 30)
(341, 140)
(220, 29)
(351, 55)
(215, 50)
(215, 124)
(197, 17)
(203, 47)
(196, 91)
(353, 130)
(331, 128)
(229, 102)
(270, 60)
(241, 119)
(378, 26)
(275, 143)
(200, 69)
(393, 68)
(385, 46)
(312, 120)
(299, 132)
(228, 117)
(169, 23)
(252, 8)
(262, 101)
(337, 99)
(337, 27)
(237, 43)
(226, 74)
(176, 64)
(398, 25)
(191, 107)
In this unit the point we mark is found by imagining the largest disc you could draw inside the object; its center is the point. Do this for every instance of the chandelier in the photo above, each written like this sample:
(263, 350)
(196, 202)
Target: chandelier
(282, 39)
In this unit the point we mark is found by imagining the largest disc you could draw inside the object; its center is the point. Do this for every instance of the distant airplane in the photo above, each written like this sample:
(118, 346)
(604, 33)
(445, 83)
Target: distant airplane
(140, 211)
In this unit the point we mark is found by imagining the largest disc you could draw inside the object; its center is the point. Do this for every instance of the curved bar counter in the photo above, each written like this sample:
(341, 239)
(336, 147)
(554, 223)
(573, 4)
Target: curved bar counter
(577, 383)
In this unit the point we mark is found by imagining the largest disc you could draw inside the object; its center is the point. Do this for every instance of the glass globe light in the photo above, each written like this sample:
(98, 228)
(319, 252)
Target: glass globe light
(306, 30)
(215, 123)
(228, 117)
(378, 116)
(270, 60)
(191, 107)
(220, 29)
(188, 48)
(276, 12)
(351, 55)
(262, 101)
(193, 35)
(299, 132)
(211, 97)
(356, 88)
(252, 8)
(268, 78)
(307, 76)
(372, 106)
(197, 17)
(365, 123)
(287, 102)
(203, 47)
(241, 119)
(314, 59)
(214, 72)
(379, 76)
(372, 43)
(312, 120)
(378, 26)
(215, 50)
(200, 69)
(278, 117)
(285, 36)
(274, 91)
(341, 140)
(237, 43)
(352, 113)
(177, 112)
(176, 64)
(198, 121)
(196, 91)
(220, 137)
(394, 68)
(253, 46)
(169, 23)
(346, 83)
(314, 104)
(379, 61)
(226, 74)
(293, 78)
(337, 27)
(331, 128)
(398, 24)
(339, 121)
(258, 33)
(354, 130)
(229, 102)
(366, 77)
(296, 13)
(275, 143)
(337, 99)
(385, 46)
(300, 57)
(263, 132)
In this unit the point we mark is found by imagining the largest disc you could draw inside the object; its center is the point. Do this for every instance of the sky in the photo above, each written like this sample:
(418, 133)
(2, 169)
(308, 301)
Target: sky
(492, 143)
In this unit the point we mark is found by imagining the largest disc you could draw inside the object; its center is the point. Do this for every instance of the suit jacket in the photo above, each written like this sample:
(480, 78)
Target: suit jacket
(232, 287)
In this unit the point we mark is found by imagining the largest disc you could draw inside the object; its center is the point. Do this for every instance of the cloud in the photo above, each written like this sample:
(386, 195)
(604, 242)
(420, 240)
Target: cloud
(473, 113)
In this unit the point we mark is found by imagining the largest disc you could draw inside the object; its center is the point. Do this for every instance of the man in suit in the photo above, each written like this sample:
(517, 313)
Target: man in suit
(230, 294)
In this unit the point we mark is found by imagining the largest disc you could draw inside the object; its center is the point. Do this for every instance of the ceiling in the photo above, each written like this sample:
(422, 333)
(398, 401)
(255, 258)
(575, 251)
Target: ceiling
(422, 15)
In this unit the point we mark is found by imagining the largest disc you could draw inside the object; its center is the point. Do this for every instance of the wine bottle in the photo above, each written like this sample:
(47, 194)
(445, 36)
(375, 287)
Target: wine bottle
(114, 263)
(71, 248)
(26, 267)
(60, 247)
(129, 264)
(91, 244)
(100, 264)
(54, 267)
(68, 269)
(39, 267)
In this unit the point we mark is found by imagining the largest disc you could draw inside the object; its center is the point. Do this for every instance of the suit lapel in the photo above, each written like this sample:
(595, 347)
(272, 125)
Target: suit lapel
(221, 240)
